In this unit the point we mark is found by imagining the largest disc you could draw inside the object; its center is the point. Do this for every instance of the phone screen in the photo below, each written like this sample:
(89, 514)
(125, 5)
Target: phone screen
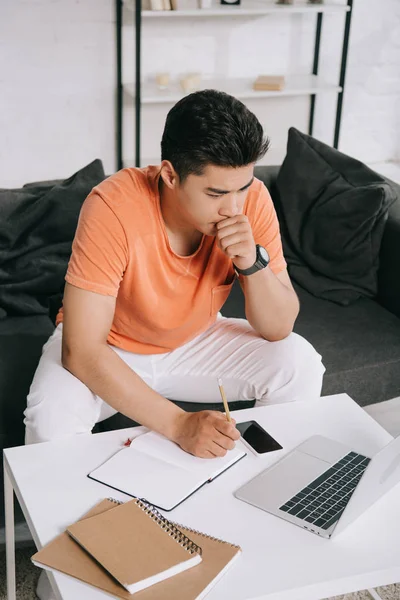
(257, 437)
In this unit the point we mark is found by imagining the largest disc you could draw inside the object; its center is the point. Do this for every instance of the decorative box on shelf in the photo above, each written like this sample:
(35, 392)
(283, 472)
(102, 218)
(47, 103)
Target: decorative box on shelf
(265, 83)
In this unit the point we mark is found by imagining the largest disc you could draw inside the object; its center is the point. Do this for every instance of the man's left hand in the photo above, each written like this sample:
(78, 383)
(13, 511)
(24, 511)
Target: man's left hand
(235, 238)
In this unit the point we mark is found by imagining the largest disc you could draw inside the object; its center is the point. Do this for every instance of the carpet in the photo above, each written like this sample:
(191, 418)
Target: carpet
(27, 576)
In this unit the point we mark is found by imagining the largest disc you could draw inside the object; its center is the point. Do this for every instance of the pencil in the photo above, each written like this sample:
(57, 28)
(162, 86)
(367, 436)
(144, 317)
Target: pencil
(224, 400)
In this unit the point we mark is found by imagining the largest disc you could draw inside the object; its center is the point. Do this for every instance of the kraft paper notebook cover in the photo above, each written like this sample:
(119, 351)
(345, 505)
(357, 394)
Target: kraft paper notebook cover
(65, 555)
(159, 471)
(137, 547)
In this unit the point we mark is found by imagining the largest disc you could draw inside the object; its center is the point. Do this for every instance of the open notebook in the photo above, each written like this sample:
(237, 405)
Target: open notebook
(159, 471)
(63, 554)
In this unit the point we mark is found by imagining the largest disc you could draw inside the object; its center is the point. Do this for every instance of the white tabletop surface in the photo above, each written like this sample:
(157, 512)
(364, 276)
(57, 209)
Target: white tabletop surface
(280, 561)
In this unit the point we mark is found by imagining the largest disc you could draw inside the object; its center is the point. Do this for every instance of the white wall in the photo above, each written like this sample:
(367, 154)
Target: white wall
(371, 123)
(57, 79)
(56, 87)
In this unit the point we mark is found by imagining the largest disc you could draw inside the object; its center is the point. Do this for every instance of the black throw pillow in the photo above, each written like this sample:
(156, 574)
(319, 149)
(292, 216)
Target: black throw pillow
(332, 211)
(37, 227)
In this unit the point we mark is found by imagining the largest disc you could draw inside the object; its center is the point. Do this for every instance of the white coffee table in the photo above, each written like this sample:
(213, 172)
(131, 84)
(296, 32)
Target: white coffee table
(279, 562)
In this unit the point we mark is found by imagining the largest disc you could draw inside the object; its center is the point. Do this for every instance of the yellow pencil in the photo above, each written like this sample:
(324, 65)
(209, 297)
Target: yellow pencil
(224, 400)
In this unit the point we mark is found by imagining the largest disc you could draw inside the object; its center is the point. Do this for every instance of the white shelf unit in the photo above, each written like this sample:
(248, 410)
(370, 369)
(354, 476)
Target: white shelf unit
(295, 85)
(147, 93)
(248, 8)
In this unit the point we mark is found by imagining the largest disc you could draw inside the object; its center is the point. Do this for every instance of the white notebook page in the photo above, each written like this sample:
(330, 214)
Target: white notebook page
(159, 471)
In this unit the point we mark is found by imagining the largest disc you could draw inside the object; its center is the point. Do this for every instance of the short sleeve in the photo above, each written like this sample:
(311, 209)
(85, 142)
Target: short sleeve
(99, 250)
(262, 216)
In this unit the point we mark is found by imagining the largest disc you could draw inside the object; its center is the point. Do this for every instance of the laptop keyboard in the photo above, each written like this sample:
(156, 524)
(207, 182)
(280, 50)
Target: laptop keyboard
(324, 499)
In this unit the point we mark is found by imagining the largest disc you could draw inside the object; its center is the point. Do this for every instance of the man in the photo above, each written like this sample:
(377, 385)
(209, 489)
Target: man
(154, 257)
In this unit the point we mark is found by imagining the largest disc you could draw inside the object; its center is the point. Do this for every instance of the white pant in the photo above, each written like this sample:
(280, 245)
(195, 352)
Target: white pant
(60, 405)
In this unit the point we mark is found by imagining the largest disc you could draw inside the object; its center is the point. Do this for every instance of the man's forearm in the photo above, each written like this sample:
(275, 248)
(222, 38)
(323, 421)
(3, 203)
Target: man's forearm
(271, 306)
(110, 378)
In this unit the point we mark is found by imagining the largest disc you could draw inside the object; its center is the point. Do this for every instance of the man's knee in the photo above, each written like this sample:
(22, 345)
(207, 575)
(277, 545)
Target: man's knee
(53, 414)
(293, 355)
(301, 356)
(59, 404)
(297, 373)
(45, 422)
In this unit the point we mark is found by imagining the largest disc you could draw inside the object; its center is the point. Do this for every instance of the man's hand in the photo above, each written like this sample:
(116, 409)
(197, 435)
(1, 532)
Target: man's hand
(235, 238)
(206, 434)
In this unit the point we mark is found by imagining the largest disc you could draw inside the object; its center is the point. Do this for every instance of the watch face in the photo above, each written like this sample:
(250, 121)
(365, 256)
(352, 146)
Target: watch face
(264, 254)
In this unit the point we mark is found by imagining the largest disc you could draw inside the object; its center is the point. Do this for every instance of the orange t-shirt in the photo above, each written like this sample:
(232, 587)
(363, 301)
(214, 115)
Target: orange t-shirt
(121, 249)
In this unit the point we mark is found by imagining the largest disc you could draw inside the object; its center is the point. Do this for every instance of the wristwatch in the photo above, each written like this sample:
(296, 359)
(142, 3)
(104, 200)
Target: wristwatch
(262, 261)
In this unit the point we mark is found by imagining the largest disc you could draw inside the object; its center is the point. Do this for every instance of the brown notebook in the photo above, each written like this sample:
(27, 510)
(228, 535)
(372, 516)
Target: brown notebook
(136, 545)
(65, 555)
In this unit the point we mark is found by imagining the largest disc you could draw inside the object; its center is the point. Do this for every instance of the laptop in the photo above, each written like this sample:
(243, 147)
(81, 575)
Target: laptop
(323, 485)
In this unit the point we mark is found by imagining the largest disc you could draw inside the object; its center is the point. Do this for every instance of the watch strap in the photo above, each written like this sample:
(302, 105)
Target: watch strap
(259, 264)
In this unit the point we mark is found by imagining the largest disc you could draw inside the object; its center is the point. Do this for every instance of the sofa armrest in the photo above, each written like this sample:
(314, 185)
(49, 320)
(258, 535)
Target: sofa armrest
(389, 268)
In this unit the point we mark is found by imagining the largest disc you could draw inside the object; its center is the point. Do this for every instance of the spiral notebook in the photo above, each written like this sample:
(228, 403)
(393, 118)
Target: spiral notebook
(156, 469)
(65, 555)
(135, 545)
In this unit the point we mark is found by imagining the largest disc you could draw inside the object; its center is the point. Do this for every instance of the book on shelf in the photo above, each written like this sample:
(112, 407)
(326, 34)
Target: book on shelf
(184, 4)
(155, 5)
(269, 83)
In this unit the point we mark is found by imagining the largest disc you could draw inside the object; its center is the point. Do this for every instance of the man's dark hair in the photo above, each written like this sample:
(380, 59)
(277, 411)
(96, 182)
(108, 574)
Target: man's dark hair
(211, 128)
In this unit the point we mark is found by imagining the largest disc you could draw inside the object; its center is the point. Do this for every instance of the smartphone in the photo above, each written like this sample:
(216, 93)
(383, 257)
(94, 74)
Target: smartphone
(257, 438)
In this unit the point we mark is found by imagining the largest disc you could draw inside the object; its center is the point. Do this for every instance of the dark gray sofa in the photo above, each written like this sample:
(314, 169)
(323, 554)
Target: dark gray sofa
(360, 343)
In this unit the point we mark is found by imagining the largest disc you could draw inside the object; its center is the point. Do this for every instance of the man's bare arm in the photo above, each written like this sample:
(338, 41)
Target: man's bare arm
(272, 305)
(87, 321)
(271, 302)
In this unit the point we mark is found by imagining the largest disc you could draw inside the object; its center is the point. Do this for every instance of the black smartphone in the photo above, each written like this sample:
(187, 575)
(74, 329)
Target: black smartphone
(256, 437)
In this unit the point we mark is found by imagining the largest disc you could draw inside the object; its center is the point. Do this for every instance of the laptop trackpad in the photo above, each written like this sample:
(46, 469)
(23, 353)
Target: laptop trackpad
(274, 486)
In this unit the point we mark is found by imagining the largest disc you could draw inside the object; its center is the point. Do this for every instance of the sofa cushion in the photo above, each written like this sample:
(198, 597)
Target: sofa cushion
(37, 226)
(48, 183)
(268, 175)
(332, 214)
(21, 342)
(389, 269)
(359, 344)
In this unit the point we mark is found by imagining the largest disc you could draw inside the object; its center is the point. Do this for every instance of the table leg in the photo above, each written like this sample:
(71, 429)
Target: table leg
(10, 541)
(374, 594)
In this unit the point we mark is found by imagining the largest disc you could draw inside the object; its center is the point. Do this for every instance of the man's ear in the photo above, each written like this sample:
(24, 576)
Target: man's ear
(169, 175)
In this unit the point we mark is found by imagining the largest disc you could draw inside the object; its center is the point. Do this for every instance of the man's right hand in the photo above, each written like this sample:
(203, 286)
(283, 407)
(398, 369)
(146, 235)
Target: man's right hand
(206, 434)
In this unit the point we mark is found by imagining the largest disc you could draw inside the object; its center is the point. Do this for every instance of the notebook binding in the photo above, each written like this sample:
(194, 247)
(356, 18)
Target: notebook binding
(169, 527)
(176, 526)
(114, 500)
(205, 535)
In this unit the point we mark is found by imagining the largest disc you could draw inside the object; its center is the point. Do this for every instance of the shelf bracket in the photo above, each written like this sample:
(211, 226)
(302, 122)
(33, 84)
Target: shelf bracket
(342, 77)
(315, 70)
(138, 91)
(119, 106)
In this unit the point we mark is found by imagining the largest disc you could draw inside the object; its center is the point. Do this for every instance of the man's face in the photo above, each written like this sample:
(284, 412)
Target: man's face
(220, 192)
